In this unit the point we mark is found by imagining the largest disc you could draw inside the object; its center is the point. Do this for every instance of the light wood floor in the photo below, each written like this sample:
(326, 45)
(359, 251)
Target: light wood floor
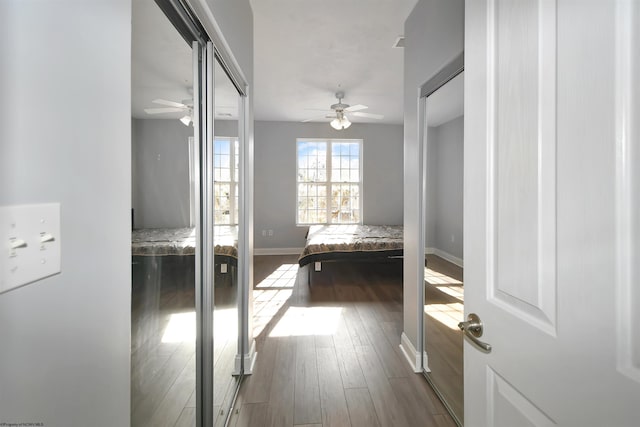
(328, 355)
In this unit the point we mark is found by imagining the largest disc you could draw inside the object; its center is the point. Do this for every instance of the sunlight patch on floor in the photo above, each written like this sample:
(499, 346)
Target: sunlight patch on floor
(453, 291)
(283, 277)
(436, 278)
(182, 326)
(266, 305)
(447, 314)
(271, 294)
(303, 321)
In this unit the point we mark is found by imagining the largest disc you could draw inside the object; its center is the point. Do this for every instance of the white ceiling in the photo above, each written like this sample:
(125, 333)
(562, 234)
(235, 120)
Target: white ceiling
(304, 51)
(161, 67)
(160, 61)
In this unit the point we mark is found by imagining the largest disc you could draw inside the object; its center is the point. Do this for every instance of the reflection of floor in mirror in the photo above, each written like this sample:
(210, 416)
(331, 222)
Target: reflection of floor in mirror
(163, 342)
(328, 354)
(444, 308)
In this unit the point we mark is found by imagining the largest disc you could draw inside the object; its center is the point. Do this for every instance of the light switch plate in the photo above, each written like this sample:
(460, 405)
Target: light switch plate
(30, 244)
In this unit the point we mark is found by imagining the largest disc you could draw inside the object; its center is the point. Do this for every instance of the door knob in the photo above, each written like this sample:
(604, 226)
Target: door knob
(473, 329)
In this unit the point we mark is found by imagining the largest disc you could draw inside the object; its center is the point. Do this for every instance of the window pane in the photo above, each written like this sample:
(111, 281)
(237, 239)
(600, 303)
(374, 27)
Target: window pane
(312, 205)
(345, 203)
(336, 174)
(226, 164)
(312, 162)
(222, 203)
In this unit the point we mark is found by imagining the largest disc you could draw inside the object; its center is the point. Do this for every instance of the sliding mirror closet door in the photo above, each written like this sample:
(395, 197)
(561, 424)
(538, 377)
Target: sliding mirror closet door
(226, 177)
(163, 319)
(443, 284)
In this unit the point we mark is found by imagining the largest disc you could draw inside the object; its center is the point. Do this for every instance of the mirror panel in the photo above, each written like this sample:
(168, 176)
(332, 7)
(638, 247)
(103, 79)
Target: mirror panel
(443, 284)
(163, 319)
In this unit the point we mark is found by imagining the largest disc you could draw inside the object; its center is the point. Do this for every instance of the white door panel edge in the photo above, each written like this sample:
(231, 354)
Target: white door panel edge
(551, 212)
(627, 185)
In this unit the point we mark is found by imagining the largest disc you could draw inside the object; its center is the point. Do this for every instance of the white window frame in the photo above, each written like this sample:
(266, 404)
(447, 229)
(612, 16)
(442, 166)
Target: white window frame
(328, 182)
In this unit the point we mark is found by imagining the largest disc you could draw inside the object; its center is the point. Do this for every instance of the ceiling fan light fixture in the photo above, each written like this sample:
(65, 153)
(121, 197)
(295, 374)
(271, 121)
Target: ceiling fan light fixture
(341, 122)
(186, 120)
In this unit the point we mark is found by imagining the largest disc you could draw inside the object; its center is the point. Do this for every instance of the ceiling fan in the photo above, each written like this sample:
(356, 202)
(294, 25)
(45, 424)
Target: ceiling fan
(339, 113)
(174, 107)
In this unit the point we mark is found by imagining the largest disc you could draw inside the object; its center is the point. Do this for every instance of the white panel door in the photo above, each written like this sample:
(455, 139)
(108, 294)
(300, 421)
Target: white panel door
(552, 212)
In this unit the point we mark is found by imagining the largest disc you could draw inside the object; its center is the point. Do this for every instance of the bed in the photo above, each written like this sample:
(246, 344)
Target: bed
(350, 242)
(161, 242)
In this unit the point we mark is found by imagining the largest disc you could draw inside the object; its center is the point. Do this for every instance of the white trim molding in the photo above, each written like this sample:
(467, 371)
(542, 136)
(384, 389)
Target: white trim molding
(445, 255)
(277, 251)
(410, 353)
(249, 360)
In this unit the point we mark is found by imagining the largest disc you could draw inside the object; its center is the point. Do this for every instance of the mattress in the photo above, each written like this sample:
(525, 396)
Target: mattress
(182, 241)
(332, 242)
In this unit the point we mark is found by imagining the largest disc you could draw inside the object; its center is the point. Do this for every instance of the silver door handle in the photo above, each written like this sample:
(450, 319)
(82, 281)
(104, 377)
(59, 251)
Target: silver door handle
(472, 329)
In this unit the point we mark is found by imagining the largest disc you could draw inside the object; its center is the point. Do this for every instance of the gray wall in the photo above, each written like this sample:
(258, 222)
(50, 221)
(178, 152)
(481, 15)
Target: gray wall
(160, 165)
(444, 187)
(434, 35)
(275, 176)
(65, 137)
(431, 193)
(160, 170)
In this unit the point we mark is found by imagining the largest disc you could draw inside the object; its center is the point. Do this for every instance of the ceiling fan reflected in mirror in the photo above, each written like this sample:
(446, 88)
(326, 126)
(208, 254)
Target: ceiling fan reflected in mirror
(185, 106)
(339, 113)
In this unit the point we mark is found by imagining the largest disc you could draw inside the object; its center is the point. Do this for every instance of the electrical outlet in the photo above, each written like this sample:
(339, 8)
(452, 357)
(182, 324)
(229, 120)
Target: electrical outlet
(453, 238)
(264, 233)
(270, 233)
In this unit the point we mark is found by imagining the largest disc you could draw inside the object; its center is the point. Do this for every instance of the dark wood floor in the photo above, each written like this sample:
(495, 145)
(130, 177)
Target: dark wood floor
(163, 378)
(328, 355)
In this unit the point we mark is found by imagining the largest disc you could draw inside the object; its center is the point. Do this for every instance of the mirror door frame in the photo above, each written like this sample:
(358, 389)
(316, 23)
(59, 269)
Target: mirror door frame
(442, 77)
(195, 21)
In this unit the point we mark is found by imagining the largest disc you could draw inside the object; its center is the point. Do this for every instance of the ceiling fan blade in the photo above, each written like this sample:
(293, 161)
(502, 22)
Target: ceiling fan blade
(169, 103)
(368, 115)
(312, 119)
(163, 110)
(356, 108)
(319, 109)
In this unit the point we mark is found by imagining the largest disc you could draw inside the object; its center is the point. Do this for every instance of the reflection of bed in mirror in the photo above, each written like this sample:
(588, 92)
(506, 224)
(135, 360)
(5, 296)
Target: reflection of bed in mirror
(159, 242)
(351, 242)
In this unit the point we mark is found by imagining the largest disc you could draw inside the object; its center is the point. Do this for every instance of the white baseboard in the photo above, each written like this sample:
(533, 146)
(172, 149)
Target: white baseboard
(277, 251)
(445, 255)
(249, 360)
(410, 353)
